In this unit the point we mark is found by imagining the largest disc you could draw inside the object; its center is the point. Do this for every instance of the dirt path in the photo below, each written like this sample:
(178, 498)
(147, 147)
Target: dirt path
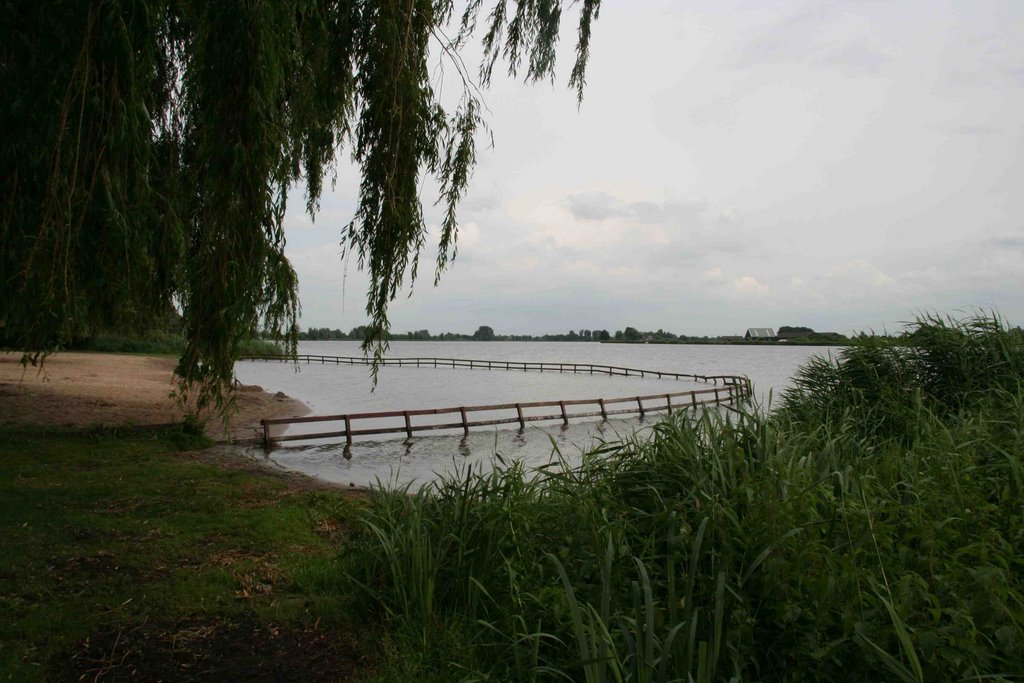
(91, 389)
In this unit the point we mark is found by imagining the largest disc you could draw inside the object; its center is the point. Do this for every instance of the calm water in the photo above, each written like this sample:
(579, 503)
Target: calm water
(332, 389)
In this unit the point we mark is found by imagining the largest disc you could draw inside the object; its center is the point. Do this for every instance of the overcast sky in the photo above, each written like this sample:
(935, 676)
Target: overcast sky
(840, 165)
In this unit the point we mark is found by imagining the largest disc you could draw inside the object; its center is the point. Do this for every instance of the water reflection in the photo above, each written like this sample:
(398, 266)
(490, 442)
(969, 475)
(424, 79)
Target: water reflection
(400, 462)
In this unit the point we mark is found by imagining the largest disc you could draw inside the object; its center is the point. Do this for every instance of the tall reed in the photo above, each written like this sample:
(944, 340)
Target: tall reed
(871, 529)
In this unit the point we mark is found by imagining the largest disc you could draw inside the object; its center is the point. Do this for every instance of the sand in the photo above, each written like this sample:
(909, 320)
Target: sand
(112, 390)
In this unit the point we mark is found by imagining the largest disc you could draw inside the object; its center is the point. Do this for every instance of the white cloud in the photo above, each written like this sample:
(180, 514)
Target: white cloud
(321, 263)
(858, 273)
(469, 235)
(748, 286)
(714, 276)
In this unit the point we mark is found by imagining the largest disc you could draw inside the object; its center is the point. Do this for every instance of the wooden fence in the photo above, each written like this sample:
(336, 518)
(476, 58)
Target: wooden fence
(510, 365)
(727, 389)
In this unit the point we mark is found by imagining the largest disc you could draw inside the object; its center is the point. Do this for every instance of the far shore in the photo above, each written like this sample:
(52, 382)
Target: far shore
(730, 342)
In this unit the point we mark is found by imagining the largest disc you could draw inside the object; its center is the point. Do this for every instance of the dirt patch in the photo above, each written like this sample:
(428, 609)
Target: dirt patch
(113, 390)
(214, 650)
(71, 572)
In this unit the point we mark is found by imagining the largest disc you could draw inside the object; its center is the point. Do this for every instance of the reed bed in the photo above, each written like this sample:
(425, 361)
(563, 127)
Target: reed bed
(870, 529)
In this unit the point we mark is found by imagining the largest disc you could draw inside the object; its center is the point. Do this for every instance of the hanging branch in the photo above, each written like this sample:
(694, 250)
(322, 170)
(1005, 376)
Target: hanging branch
(150, 147)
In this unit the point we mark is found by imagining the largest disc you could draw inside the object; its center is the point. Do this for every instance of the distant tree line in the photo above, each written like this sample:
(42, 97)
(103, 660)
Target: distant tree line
(792, 335)
(483, 333)
(786, 334)
(627, 335)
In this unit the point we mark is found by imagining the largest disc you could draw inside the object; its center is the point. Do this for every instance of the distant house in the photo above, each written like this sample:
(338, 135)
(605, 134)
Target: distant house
(759, 333)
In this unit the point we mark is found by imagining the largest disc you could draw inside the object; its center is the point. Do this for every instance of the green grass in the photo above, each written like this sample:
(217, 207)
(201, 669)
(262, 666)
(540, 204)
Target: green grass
(872, 529)
(111, 547)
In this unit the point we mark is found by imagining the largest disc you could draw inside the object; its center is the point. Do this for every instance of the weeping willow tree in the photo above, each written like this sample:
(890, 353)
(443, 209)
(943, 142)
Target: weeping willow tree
(149, 148)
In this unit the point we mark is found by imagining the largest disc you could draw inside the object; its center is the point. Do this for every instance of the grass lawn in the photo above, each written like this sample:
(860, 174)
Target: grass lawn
(121, 556)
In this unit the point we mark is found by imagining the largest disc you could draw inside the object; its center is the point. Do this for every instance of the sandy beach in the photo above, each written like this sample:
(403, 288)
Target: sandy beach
(90, 389)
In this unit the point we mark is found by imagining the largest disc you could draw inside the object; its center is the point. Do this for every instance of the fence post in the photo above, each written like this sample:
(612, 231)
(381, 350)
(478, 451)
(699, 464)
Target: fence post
(565, 418)
(668, 403)
(717, 399)
(693, 400)
(348, 431)
(641, 404)
(408, 425)
(604, 413)
(519, 411)
(266, 434)
(465, 426)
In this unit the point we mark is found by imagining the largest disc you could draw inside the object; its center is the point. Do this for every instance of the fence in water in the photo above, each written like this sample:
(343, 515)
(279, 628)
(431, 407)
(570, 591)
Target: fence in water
(726, 390)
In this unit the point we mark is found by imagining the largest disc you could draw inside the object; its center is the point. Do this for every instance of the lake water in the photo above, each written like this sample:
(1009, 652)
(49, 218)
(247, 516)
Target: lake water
(334, 389)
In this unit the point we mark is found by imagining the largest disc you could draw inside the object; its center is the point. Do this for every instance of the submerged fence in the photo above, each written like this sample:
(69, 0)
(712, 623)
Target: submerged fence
(539, 366)
(727, 389)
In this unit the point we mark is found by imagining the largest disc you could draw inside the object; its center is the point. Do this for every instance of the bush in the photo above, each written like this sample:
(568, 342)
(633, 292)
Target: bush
(159, 343)
(163, 343)
(260, 347)
(940, 365)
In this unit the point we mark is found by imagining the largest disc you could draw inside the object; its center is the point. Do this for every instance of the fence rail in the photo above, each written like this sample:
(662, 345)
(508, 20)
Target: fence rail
(526, 366)
(727, 389)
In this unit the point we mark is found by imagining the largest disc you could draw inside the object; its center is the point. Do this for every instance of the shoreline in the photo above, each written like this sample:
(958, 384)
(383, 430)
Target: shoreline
(75, 389)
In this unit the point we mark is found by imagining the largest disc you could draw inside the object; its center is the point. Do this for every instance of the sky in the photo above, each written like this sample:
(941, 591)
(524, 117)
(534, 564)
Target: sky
(841, 165)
